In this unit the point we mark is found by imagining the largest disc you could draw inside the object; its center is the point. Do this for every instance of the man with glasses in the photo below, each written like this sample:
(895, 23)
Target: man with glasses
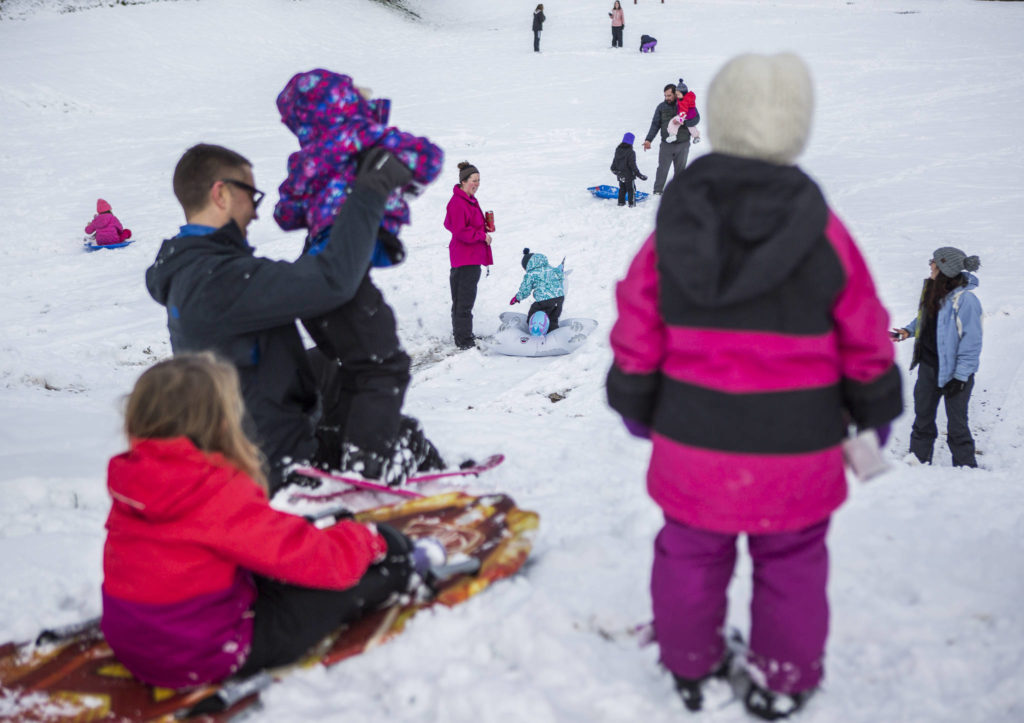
(220, 296)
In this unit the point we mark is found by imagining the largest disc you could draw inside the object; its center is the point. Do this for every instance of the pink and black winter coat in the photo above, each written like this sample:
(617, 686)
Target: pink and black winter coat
(334, 124)
(749, 334)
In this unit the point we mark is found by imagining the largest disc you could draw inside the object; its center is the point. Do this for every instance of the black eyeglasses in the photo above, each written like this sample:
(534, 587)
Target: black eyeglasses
(257, 194)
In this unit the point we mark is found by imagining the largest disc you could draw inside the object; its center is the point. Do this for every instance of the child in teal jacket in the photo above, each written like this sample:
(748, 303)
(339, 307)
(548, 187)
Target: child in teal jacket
(546, 283)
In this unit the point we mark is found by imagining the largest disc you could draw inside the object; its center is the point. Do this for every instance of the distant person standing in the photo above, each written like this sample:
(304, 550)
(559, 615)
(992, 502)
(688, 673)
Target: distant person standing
(538, 25)
(676, 151)
(470, 248)
(618, 23)
(947, 346)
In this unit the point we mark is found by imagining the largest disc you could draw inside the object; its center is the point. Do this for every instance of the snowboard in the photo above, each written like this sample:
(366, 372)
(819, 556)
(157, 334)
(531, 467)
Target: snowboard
(613, 192)
(354, 481)
(90, 245)
(77, 678)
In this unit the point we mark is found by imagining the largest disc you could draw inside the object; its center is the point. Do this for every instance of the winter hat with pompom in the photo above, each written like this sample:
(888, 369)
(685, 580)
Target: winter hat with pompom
(526, 257)
(760, 106)
(102, 206)
(681, 87)
(951, 261)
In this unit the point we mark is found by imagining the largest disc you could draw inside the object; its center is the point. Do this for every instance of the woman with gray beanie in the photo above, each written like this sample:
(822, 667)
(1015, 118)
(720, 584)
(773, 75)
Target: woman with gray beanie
(947, 344)
(749, 337)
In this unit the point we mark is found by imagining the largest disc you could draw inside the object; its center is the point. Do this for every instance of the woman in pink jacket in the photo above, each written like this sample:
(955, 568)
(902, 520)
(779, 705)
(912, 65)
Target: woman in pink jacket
(618, 24)
(105, 225)
(470, 248)
(749, 337)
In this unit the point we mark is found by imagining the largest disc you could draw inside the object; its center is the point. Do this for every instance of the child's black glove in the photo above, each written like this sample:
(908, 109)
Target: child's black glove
(398, 560)
(642, 177)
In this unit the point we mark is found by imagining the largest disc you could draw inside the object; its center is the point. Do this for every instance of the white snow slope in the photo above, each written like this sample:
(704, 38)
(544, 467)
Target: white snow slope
(916, 142)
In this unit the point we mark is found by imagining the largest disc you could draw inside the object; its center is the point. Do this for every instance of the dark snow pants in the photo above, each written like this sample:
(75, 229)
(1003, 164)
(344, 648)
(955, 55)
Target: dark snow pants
(924, 431)
(627, 192)
(671, 154)
(551, 307)
(463, 281)
(617, 36)
(788, 611)
(364, 381)
(288, 620)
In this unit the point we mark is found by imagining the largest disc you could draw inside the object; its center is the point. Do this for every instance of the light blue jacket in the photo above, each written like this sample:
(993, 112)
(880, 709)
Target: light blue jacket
(542, 280)
(957, 333)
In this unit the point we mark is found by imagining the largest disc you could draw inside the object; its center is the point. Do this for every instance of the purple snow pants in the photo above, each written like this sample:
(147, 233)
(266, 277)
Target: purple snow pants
(788, 611)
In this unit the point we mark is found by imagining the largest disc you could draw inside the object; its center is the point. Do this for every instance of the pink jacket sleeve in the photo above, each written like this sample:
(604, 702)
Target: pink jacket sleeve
(91, 228)
(638, 340)
(871, 382)
(638, 337)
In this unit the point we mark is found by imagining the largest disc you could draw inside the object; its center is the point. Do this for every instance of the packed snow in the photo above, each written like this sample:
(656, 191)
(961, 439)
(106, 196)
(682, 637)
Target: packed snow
(916, 142)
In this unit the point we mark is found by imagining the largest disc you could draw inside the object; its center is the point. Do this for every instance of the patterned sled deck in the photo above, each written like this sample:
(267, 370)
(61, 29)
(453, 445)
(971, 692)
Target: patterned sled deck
(80, 680)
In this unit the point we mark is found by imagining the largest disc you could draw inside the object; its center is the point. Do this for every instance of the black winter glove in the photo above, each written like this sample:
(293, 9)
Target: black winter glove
(621, 179)
(381, 172)
(393, 246)
(642, 177)
(398, 560)
(954, 387)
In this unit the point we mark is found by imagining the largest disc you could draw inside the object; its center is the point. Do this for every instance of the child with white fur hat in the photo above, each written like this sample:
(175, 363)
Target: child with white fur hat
(749, 336)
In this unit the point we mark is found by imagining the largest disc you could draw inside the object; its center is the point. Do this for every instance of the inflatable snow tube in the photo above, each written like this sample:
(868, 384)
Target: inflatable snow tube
(513, 337)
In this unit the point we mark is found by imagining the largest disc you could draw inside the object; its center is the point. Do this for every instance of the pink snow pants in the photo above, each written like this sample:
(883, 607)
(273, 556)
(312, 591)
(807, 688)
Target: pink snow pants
(788, 610)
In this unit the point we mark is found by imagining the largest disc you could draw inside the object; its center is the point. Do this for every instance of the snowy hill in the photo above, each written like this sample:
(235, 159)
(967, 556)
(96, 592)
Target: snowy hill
(916, 143)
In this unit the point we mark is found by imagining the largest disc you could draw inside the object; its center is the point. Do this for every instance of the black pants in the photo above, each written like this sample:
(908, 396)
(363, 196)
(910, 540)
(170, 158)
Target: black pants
(617, 36)
(363, 374)
(627, 192)
(289, 620)
(551, 307)
(924, 432)
(463, 280)
(536, 41)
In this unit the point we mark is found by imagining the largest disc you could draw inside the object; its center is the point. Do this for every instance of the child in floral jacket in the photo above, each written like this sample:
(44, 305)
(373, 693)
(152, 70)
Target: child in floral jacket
(546, 283)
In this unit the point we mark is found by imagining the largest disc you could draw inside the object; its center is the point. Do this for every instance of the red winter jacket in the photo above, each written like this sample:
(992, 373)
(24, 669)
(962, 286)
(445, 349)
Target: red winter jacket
(184, 530)
(749, 331)
(108, 229)
(466, 222)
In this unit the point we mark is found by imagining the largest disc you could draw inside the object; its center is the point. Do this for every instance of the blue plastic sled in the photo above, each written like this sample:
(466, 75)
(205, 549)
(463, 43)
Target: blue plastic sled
(613, 192)
(90, 246)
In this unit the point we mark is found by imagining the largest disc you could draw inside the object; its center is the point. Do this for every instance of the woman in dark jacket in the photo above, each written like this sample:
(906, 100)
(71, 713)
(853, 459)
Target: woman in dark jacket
(538, 25)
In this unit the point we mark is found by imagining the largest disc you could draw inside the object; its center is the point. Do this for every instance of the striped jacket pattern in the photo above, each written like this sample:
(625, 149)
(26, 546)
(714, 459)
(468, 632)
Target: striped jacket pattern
(749, 337)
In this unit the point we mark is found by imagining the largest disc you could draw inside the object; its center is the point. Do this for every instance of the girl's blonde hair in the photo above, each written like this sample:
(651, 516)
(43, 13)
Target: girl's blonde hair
(196, 396)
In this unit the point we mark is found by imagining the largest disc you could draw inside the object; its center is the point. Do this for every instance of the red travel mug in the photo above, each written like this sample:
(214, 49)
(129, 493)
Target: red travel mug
(489, 220)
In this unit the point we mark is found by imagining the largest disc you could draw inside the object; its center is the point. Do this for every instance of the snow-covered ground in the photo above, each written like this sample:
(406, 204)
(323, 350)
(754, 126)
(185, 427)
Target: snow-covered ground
(917, 144)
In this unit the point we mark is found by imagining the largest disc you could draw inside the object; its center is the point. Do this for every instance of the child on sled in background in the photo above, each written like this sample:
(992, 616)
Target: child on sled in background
(546, 283)
(105, 226)
(688, 115)
(626, 171)
(202, 578)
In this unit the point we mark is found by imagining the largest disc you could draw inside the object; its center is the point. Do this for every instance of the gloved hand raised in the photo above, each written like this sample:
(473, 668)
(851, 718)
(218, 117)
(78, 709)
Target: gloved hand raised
(381, 172)
(515, 300)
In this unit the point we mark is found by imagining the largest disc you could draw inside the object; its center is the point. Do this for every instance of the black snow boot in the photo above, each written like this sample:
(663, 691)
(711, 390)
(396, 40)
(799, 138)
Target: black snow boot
(691, 690)
(769, 705)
